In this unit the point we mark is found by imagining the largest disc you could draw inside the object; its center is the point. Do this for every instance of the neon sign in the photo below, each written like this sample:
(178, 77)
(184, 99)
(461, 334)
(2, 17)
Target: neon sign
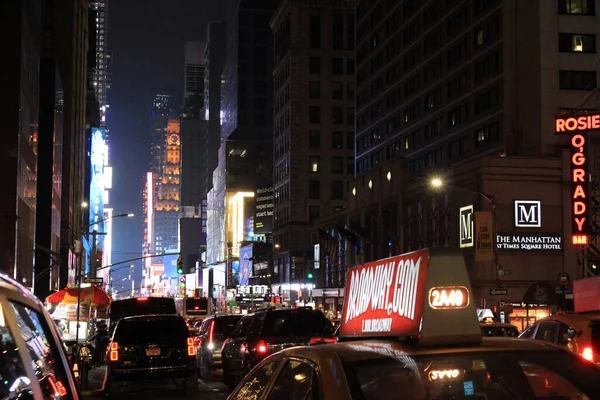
(97, 160)
(579, 172)
(582, 123)
(579, 189)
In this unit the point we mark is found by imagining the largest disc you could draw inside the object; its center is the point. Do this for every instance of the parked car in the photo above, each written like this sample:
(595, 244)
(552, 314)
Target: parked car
(265, 332)
(212, 333)
(151, 347)
(33, 360)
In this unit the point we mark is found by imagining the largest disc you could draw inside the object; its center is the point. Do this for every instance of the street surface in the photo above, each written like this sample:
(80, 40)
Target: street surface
(209, 389)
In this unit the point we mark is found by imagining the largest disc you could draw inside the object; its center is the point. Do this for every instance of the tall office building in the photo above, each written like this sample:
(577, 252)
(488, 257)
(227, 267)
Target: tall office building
(244, 162)
(101, 77)
(193, 90)
(313, 126)
(453, 90)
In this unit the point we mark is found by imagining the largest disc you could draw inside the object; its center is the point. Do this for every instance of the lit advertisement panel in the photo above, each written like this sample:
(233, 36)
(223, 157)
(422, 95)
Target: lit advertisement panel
(98, 158)
(245, 264)
(107, 241)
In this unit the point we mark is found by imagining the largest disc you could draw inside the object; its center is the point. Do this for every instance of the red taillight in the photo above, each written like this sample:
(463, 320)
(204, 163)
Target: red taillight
(261, 346)
(191, 349)
(588, 354)
(321, 340)
(114, 351)
(210, 333)
(142, 299)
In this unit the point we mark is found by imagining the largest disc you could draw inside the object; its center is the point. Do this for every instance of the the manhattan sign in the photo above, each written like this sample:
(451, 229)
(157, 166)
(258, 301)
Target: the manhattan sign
(529, 242)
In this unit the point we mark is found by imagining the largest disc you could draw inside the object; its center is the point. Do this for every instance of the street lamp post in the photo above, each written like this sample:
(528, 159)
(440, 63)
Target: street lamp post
(438, 183)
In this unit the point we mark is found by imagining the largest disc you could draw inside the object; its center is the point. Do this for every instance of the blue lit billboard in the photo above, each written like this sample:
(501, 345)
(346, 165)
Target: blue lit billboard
(98, 158)
(245, 264)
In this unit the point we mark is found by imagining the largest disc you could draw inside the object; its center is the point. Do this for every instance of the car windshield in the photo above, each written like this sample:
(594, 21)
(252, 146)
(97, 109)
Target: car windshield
(225, 325)
(486, 375)
(290, 323)
(151, 330)
(499, 331)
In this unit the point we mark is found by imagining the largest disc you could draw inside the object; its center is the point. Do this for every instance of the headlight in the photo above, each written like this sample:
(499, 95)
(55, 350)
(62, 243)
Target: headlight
(210, 346)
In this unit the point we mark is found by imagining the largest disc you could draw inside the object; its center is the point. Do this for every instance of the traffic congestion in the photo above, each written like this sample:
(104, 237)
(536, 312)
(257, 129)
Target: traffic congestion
(409, 330)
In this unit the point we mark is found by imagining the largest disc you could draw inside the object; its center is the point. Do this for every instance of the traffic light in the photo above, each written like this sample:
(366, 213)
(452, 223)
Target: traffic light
(213, 291)
(179, 266)
(310, 275)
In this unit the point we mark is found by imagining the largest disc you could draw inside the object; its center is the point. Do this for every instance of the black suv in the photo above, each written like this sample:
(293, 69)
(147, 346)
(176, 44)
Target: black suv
(151, 346)
(212, 334)
(266, 332)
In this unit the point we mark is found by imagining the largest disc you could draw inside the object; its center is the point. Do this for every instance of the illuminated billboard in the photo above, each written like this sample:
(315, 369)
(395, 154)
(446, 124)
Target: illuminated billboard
(263, 212)
(578, 127)
(245, 265)
(98, 158)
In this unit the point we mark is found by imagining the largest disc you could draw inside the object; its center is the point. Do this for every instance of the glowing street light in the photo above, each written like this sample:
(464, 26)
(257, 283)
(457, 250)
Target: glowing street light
(436, 182)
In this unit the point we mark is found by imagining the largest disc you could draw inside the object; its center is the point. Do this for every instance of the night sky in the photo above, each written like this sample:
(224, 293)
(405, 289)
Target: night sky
(147, 39)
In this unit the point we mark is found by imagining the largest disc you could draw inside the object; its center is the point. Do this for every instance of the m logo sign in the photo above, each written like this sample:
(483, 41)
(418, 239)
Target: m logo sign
(528, 213)
(465, 226)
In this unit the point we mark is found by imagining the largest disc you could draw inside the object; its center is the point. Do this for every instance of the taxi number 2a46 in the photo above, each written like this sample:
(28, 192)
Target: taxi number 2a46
(448, 297)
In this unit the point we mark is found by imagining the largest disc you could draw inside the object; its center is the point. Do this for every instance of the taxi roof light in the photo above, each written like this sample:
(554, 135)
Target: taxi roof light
(424, 296)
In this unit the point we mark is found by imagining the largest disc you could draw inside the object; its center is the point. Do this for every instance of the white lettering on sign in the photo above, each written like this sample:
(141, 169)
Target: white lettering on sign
(370, 287)
(445, 374)
(377, 325)
(451, 297)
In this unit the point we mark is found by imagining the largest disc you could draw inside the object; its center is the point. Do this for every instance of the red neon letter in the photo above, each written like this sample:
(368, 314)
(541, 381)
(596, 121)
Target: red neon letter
(578, 175)
(579, 207)
(560, 125)
(580, 222)
(578, 159)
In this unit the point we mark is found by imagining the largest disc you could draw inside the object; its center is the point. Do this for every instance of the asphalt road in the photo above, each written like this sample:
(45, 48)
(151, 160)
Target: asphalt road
(209, 389)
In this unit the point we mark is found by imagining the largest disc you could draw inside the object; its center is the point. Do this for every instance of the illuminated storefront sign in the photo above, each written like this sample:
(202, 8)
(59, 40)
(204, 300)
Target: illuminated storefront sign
(579, 125)
(465, 226)
(98, 158)
(529, 242)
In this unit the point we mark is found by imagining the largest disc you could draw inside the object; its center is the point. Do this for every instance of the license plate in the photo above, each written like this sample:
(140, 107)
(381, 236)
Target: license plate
(153, 351)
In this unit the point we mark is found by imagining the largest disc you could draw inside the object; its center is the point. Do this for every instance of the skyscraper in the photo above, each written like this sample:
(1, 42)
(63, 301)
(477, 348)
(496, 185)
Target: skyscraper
(101, 78)
(193, 90)
(313, 127)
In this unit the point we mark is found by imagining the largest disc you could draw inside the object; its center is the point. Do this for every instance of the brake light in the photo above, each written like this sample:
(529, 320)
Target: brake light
(588, 354)
(142, 299)
(261, 346)
(321, 340)
(114, 351)
(191, 349)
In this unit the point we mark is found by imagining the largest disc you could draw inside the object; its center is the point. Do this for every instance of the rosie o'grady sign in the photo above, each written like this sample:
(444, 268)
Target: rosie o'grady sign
(385, 296)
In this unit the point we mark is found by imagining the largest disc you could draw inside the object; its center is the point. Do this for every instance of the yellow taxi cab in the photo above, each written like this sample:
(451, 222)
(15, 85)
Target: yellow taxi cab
(410, 330)
(579, 331)
(33, 363)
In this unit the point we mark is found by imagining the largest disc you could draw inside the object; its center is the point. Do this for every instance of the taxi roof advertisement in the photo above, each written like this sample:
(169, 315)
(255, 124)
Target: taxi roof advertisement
(386, 297)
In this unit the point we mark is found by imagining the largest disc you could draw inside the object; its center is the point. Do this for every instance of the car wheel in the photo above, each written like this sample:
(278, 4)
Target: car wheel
(191, 385)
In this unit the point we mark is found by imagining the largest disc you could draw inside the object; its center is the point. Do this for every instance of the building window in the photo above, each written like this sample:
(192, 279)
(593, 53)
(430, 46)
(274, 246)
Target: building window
(486, 135)
(577, 7)
(458, 84)
(315, 164)
(314, 65)
(457, 116)
(314, 114)
(337, 165)
(315, 30)
(337, 190)
(314, 139)
(433, 99)
(487, 100)
(575, 43)
(314, 90)
(338, 30)
(337, 140)
(337, 115)
(337, 90)
(577, 80)
(337, 66)
(350, 115)
(349, 66)
(350, 140)
(350, 91)
(350, 165)
(313, 213)
(314, 189)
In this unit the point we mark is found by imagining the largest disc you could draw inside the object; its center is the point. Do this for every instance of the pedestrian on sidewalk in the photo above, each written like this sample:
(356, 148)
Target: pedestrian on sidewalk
(100, 339)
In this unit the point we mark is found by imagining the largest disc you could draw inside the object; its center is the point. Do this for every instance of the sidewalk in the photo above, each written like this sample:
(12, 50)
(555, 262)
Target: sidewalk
(95, 384)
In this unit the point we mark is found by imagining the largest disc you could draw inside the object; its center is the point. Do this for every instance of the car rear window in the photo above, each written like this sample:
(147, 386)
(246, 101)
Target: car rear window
(151, 330)
(292, 322)
(141, 306)
(225, 325)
